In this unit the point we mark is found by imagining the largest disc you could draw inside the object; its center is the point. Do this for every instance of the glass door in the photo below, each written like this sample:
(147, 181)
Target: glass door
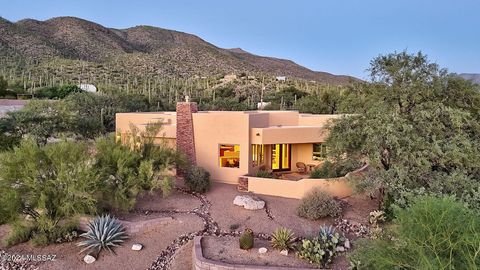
(281, 156)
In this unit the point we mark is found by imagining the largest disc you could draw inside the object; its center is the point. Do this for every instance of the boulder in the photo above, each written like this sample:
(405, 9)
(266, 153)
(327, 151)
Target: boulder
(137, 247)
(284, 252)
(89, 259)
(248, 202)
(262, 250)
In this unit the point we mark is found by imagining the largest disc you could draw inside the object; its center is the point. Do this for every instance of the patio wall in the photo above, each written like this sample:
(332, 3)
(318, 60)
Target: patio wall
(338, 187)
(297, 189)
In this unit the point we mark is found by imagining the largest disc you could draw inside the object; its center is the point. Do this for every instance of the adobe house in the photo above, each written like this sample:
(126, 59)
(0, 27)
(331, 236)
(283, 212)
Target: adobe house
(231, 144)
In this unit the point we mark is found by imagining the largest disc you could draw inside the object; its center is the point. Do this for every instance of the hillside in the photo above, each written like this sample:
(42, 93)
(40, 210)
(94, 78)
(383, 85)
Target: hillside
(69, 47)
(471, 77)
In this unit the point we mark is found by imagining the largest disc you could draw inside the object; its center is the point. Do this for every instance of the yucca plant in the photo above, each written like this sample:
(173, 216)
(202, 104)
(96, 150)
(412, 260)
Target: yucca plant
(282, 238)
(104, 232)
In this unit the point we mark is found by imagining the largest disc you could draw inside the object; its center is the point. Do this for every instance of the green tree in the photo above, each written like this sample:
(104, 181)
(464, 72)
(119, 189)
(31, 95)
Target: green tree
(326, 101)
(420, 131)
(39, 119)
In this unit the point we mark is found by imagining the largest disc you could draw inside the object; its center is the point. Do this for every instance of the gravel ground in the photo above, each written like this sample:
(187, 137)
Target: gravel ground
(282, 210)
(183, 258)
(154, 242)
(193, 215)
(226, 249)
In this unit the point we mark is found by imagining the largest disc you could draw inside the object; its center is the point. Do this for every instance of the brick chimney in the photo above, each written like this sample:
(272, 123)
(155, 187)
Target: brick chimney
(185, 136)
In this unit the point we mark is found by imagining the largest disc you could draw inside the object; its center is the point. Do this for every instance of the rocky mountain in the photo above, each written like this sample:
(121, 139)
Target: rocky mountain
(471, 77)
(141, 50)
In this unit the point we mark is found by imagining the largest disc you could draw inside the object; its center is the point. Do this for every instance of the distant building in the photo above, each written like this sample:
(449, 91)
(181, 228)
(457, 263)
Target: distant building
(88, 87)
(262, 105)
(281, 78)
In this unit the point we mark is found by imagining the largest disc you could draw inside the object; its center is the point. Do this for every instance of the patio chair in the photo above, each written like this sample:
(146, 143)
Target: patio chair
(301, 167)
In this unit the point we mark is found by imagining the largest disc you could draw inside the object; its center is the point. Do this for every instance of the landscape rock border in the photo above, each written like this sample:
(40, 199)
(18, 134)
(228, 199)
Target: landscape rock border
(202, 263)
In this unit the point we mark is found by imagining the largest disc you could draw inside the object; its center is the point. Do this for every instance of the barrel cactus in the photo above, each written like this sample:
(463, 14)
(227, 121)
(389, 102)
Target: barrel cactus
(246, 239)
(104, 232)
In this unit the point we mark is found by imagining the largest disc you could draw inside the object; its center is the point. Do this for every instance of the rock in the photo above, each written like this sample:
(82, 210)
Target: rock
(347, 244)
(89, 259)
(248, 202)
(340, 249)
(137, 247)
(284, 252)
(262, 250)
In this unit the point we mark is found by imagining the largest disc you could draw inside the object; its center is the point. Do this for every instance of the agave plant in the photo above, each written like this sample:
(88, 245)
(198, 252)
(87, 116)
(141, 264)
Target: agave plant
(326, 232)
(282, 238)
(104, 232)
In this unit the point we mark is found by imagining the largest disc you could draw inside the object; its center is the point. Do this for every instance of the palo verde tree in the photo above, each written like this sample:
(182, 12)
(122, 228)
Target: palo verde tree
(420, 131)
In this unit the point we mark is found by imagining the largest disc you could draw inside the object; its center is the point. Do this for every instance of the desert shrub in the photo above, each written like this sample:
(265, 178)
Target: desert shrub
(57, 92)
(234, 226)
(65, 231)
(264, 174)
(433, 233)
(48, 183)
(104, 232)
(324, 171)
(21, 232)
(282, 238)
(197, 179)
(322, 249)
(318, 204)
(152, 179)
(335, 169)
(127, 171)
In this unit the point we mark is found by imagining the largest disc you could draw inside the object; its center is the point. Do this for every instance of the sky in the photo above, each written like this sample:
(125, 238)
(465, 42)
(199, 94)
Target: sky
(340, 37)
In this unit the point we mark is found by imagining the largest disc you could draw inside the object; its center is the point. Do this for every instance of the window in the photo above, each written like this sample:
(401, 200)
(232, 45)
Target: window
(258, 154)
(281, 157)
(229, 155)
(319, 151)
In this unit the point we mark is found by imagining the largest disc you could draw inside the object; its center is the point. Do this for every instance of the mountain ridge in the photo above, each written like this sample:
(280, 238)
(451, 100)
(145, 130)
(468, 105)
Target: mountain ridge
(164, 52)
(473, 77)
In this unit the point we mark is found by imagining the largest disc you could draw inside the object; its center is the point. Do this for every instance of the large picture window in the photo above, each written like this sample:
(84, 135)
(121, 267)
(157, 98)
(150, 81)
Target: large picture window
(229, 155)
(319, 151)
(257, 154)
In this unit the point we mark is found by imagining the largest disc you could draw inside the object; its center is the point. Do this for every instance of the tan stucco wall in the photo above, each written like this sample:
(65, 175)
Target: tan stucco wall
(297, 189)
(316, 119)
(288, 134)
(284, 118)
(212, 129)
(303, 153)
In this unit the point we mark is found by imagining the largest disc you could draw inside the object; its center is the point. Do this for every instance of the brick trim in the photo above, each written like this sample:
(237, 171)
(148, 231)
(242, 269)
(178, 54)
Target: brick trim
(185, 133)
(242, 184)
